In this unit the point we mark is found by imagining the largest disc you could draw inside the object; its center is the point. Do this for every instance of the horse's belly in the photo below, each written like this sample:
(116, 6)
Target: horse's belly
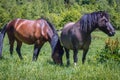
(69, 43)
(66, 42)
(25, 39)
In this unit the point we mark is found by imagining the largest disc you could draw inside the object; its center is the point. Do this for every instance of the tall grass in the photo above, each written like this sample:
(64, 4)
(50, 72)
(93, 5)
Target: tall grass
(12, 68)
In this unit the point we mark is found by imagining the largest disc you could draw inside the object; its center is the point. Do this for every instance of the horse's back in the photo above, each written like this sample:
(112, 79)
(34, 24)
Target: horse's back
(70, 24)
(67, 27)
(28, 31)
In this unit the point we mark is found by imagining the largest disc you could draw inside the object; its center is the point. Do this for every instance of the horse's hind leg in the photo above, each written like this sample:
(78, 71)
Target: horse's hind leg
(18, 48)
(75, 51)
(11, 46)
(84, 55)
(67, 56)
(11, 42)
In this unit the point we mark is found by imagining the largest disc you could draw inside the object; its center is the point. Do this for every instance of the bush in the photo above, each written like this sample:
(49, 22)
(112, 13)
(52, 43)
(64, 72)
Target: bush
(56, 10)
(55, 19)
(4, 17)
(69, 16)
(110, 52)
(115, 19)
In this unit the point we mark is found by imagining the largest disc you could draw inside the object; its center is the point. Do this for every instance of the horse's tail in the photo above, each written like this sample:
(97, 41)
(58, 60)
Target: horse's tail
(2, 34)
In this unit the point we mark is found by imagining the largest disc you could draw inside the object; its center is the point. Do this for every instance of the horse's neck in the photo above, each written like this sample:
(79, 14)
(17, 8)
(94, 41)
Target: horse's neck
(94, 23)
(92, 29)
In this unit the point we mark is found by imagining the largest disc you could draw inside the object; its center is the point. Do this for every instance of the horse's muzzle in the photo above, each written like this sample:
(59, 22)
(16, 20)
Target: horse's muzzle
(111, 34)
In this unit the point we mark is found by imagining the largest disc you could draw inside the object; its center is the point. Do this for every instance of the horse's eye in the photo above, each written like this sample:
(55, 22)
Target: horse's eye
(104, 20)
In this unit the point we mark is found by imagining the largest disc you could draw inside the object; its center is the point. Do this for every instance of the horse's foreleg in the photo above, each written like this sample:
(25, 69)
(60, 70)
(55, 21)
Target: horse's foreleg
(67, 56)
(75, 56)
(37, 49)
(84, 55)
(18, 49)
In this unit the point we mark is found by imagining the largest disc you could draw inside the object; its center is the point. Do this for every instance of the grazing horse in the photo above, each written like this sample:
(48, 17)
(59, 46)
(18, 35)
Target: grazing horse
(35, 32)
(77, 35)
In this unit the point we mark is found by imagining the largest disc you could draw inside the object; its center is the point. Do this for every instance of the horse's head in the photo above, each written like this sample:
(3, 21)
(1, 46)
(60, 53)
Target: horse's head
(104, 23)
(57, 49)
(58, 53)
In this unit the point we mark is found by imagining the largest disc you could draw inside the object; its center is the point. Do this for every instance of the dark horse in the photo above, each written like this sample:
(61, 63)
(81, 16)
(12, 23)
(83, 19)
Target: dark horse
(35, 32)
(77, 35)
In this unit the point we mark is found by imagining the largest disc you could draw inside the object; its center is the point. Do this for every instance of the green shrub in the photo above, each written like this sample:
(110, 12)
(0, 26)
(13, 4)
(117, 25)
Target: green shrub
(55, 19)
(56, 10)
(115, 19)
(69, 16)
(4, 17)
(109, 52)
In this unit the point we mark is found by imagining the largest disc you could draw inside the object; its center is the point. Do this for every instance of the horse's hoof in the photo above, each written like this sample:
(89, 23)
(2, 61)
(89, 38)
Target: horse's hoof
(34, 59)
(68, 63)
(75, 64)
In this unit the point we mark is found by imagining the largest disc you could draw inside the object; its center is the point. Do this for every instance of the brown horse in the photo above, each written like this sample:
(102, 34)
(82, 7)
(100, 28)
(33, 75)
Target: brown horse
(35, 32)
(77, 35)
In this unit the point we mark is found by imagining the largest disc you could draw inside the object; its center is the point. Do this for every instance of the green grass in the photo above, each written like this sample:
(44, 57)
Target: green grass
(12, 68)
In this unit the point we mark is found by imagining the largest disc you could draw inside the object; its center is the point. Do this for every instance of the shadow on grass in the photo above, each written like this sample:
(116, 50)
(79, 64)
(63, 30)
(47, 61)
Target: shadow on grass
(1, 58)
(61, 65)
(52, 63)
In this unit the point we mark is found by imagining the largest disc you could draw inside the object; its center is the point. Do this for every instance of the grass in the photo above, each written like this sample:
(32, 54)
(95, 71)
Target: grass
(12, 68)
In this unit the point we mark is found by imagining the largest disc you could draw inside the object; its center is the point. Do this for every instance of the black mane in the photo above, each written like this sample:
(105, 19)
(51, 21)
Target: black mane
(50, 25)
(55, 39)
(89, 21)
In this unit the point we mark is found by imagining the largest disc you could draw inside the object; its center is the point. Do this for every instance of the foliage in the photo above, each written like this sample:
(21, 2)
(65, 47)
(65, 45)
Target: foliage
(55, 19)
(112, 46)
(57, 11)
(110, 52)
(69, 16)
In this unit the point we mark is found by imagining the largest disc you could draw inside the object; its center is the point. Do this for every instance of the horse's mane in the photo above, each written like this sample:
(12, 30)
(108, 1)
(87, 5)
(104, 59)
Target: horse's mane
(55, 38)
(50, 24)
(88, 21)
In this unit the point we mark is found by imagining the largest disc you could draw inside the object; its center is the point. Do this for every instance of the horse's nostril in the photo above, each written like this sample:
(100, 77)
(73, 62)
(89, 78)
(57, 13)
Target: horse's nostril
(113, 33)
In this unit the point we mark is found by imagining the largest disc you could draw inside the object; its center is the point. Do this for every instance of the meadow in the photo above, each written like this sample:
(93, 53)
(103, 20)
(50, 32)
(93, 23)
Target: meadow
(12, 68)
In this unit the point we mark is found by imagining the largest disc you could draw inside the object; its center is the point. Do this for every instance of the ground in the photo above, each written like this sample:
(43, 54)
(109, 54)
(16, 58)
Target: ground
(12, 68)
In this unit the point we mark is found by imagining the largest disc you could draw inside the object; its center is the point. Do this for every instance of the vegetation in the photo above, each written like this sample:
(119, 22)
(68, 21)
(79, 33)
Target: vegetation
(58, 12)
(12, 68)
(109, 52)
(101, 63)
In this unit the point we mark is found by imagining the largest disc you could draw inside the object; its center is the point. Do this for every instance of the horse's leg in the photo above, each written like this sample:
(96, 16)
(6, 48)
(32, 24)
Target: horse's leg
(67, 56)
(18, 48)
(11, 46)
(36, 51)
(84, 55)
(75, 51)
(11, 42)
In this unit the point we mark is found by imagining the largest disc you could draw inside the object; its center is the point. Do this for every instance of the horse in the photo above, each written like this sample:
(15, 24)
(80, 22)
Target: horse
(77, 35)
(35, 32)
